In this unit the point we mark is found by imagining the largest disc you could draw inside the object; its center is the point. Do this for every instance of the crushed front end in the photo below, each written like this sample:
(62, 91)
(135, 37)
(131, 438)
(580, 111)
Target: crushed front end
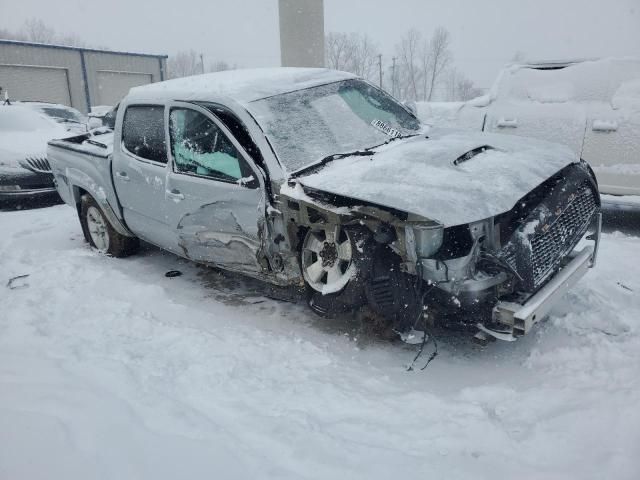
(504, 274)
(498, 275)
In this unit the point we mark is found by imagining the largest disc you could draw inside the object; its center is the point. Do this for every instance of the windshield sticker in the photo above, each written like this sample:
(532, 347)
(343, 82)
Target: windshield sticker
(383, 127)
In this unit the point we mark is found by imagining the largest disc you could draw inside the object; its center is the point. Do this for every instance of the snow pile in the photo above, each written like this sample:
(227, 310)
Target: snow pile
(110, 370)
(435, 113)
(628, 95)
(100, 110)
(461, 115)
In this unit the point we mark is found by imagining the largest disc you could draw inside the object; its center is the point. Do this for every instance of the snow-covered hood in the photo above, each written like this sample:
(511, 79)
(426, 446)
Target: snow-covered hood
(419, 175)
(17, 146)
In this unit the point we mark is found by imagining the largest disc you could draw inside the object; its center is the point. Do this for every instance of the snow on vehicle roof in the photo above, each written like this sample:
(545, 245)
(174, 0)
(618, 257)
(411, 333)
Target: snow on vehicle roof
(243, 86)
(587, 80)
(24, 132)
(18, 117)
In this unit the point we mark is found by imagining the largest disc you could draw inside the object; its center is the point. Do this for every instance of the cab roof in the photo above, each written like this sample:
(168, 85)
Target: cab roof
(243, 86)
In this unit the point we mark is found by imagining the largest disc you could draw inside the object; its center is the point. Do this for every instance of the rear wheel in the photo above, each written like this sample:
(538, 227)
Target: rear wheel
(100, 233)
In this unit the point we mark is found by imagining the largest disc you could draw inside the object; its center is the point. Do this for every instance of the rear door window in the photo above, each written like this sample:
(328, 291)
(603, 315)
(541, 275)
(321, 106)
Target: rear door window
(143, 132)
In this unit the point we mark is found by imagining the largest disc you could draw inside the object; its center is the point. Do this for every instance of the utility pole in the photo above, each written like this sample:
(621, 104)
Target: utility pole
(202, 62)
(393, 77)
(380, 67)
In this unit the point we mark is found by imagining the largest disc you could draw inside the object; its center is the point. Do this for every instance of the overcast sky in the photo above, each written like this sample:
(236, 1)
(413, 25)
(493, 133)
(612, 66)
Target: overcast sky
(485, 34)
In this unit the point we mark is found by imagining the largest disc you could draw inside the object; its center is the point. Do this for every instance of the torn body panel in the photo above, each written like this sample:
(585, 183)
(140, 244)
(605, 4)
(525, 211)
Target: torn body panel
(213, 234)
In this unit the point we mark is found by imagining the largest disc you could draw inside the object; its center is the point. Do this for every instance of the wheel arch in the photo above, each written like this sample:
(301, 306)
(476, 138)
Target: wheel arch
(118, 225)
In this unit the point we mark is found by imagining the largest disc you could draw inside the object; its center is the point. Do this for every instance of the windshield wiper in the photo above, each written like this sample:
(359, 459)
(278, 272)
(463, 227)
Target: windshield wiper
(329, 158)
(393, 139)
(367, 152)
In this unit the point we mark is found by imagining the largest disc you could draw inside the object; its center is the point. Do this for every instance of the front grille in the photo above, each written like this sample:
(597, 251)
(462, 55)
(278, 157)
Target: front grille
(535, 256)
(38, 164)
(555, 242)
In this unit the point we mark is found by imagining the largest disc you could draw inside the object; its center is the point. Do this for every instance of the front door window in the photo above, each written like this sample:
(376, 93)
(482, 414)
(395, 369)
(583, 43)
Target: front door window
(200, 148)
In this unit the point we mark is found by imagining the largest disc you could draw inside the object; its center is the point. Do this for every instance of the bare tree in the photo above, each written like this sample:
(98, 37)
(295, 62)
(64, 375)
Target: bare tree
(10, 35)
(37, 31)
(364, 56)
(439, 57)
(338, 50)
(221, 66)
(466, 90)
(355, 53)
(451, 79)
(184, 64)
(408, 69)
(422, 63)
(458, 88)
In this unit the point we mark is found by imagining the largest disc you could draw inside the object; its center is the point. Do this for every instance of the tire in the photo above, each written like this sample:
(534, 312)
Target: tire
(350, 295)
(99, 232)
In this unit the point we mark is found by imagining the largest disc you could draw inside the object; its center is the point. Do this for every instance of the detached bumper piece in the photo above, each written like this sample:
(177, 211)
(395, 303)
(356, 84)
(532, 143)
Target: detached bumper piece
(518, 318)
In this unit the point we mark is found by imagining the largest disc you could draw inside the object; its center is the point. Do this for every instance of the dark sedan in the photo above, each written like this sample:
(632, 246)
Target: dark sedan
(25, 173)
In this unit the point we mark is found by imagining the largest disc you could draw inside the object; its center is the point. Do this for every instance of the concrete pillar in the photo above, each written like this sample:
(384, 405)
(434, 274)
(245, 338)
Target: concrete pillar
(302, 33)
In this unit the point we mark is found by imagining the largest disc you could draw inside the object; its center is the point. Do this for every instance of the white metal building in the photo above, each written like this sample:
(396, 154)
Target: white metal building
(78, 77)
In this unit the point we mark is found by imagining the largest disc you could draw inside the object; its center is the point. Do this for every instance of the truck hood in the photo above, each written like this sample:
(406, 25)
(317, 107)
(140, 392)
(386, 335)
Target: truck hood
(449, 176)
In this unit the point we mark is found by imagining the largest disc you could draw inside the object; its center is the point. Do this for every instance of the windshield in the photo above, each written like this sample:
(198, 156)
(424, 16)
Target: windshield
(63, 114)
(17, 119)
(307, 125)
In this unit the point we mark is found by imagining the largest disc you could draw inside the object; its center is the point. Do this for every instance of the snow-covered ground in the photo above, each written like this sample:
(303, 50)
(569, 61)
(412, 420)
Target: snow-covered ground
(108, 369)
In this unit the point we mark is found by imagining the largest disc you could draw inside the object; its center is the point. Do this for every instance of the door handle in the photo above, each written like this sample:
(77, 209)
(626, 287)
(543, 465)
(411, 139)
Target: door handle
(123, 176)
(174, 195)
(605, 126)
(507, 123)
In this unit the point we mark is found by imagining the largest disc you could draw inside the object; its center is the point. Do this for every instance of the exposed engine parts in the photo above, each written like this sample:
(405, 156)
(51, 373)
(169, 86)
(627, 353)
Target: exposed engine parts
(355, 255)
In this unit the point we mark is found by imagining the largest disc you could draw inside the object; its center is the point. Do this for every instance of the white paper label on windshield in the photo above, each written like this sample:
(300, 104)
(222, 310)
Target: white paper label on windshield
(383, 127)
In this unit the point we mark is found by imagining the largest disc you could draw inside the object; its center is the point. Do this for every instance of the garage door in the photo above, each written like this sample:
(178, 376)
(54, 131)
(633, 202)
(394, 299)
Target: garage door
(112, 86)
(45, 84)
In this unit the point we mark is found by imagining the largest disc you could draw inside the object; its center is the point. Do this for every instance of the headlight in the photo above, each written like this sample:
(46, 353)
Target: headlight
(424, 240)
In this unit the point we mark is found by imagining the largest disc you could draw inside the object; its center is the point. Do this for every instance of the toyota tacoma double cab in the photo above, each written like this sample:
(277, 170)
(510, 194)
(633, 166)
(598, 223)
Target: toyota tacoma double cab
(316, 179)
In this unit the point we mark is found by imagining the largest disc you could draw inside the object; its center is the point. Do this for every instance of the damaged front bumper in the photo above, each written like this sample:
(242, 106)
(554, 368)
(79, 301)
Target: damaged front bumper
(518, 318)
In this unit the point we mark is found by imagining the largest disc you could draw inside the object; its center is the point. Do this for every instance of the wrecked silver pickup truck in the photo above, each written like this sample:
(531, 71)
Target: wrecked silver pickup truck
(317, 179)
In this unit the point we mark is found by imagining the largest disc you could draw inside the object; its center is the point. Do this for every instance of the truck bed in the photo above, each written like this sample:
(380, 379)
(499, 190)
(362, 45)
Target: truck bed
(83, 164)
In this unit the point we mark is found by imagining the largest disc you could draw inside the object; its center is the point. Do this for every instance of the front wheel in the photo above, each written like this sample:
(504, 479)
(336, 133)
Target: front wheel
(100, 233)
(333, 262)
